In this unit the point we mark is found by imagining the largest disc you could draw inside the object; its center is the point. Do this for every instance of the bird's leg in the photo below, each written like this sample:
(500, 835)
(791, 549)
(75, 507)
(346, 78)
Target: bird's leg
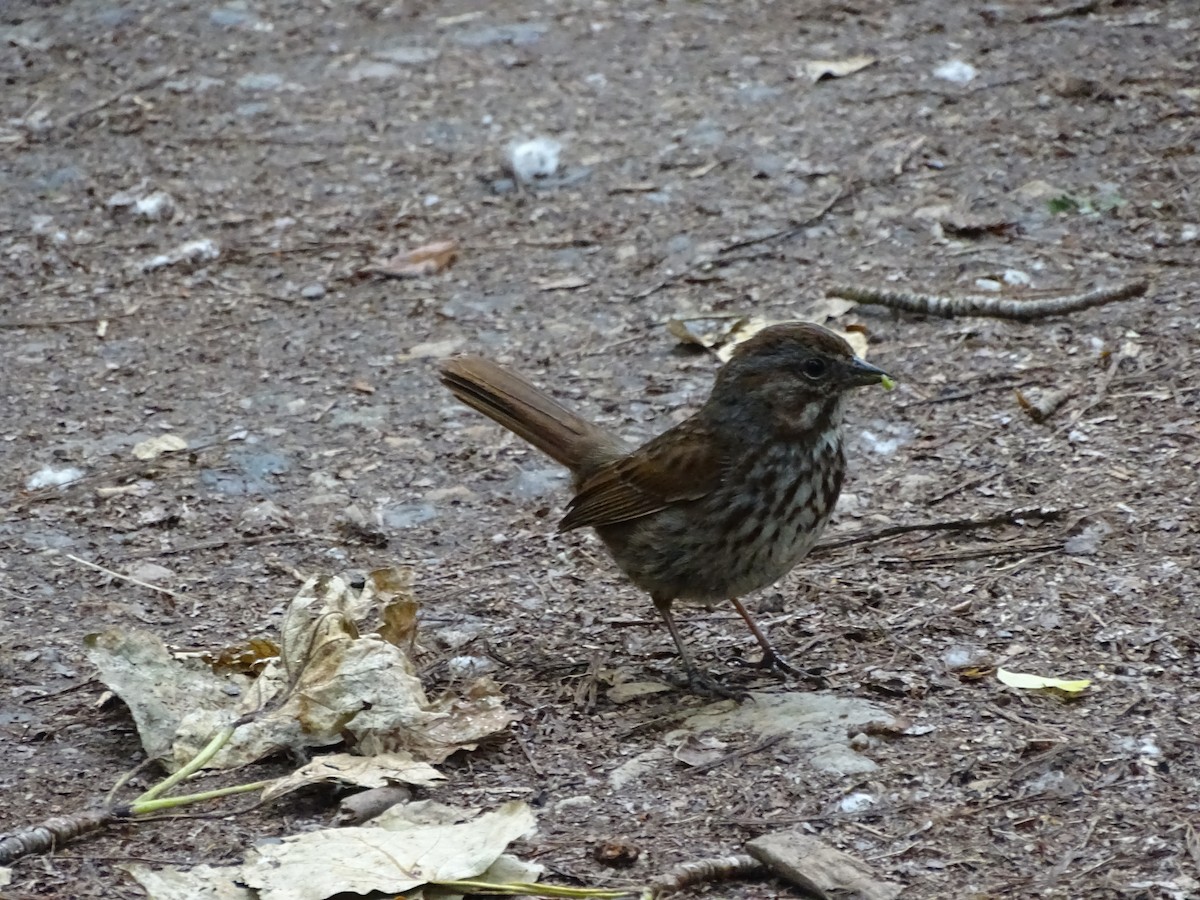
(771, 659)
(698, 680)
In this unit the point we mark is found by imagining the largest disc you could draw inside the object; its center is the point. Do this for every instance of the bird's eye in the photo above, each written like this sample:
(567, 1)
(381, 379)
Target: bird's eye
(814, 368)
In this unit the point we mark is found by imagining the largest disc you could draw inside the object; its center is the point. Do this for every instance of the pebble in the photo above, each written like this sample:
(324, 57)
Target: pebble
(260, 81)
(520, 33)
(370, 69)
(407, 515)
(407, 56)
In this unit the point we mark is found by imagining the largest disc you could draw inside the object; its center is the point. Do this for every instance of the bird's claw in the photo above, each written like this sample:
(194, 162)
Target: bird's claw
(776, 663)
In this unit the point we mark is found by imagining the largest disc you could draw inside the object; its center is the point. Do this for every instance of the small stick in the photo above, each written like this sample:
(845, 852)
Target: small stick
(705, 871)
(152, 80)
(992, 306)
(765, 744)
(53, 833)
(782, 234)
(1009, 517)
(154, 587)
(987, 553)
(82, 320)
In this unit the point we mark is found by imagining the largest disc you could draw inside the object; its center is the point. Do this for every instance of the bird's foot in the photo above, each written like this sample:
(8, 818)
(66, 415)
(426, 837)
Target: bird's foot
(703, 684)
(779, 665)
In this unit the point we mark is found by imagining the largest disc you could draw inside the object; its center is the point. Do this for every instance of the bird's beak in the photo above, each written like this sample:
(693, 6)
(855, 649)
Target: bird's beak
(860, 374)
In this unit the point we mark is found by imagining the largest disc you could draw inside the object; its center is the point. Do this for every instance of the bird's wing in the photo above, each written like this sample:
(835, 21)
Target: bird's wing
(685, 463)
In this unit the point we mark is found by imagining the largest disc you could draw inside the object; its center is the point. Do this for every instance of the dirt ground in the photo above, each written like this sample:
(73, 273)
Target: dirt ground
(704, 169)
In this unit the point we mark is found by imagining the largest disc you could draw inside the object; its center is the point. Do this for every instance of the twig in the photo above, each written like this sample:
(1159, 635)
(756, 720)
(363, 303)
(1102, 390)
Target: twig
(220, 543)
(794, 228)
(992, 306)
(1009, 517)
(764, 744)
(537, 770)
(150, 81)
(1065, 12)
(705, 871)
(82, 320)
(985, 553)
(154, 587)
(53, 833)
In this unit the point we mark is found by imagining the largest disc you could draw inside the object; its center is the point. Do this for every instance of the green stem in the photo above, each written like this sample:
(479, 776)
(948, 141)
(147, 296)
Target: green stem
(141, 807)
(194, 765)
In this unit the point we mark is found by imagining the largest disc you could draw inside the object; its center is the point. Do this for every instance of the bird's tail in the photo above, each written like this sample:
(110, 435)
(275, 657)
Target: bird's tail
(531, 413)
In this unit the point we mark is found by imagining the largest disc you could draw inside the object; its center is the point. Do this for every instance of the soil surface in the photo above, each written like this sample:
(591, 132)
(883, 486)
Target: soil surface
(1008, 146)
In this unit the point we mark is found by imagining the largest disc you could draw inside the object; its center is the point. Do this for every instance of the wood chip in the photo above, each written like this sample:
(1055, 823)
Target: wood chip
(818, 868)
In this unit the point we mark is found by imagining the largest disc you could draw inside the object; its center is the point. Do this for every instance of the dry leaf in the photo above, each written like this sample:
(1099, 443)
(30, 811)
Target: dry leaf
(330, 682)
(721, 334)
(569, 283)
(707, 331)
(155, 447)
(822, 69)
(431, 349)
(429, 259)
(383, 770)
(1040, 682)
(249, 658)
(404, 848)
(209, 882)
(159, 689)
(856, 337)
(697, 750)
(369, 804)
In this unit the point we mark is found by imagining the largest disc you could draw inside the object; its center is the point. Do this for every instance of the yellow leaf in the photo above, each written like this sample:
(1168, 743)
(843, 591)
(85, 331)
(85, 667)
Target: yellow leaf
(1038, 682)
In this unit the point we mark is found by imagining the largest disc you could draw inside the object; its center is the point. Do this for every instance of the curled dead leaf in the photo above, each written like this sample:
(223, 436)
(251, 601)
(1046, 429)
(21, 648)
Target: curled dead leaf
(429, 259)
(824, 69)
(721, 333)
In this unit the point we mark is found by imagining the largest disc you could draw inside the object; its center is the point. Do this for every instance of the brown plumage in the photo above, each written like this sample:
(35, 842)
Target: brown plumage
(724, 503)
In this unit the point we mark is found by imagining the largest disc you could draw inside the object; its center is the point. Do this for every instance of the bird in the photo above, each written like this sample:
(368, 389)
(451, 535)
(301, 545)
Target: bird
(724, 503)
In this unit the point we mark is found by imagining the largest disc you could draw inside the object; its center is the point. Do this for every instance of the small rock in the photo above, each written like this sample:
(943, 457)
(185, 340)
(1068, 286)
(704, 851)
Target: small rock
(1087, 541)
(260, 81)
(758, 93)
(262, 518)
(956, 71)
(856, 802)
(151, 573)
(966, 657)
(705, 133)
(520, 34)
(469, 666)
(407, 516)
(531, 484)
(250, 110)
(229, 16)
(532, 159)
(116, 17)
(371, 69)
(314, 291)
(49, 476)
(407, 56)
(61, 178)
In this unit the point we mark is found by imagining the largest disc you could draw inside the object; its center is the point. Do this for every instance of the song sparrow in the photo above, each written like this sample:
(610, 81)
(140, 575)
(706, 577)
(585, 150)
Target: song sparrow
(725, 502)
